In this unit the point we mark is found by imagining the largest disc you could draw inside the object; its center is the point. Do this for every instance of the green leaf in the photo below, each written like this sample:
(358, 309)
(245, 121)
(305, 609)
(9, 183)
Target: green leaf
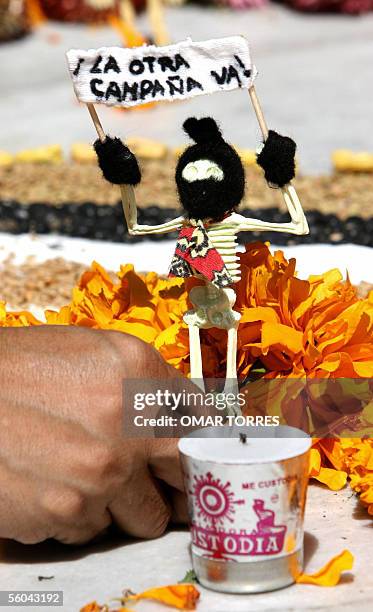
(189, 577)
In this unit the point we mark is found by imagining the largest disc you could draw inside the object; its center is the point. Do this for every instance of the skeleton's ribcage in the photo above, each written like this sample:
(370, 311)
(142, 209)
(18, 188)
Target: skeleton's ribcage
(225, 242)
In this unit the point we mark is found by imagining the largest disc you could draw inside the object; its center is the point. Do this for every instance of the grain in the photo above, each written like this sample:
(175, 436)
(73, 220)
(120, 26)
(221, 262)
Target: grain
(46, 284)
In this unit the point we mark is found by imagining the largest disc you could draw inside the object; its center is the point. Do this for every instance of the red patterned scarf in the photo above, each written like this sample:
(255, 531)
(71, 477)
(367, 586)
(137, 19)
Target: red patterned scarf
(195, 253)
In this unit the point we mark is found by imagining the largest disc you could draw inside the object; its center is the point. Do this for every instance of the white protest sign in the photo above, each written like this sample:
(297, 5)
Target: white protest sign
(130, 77)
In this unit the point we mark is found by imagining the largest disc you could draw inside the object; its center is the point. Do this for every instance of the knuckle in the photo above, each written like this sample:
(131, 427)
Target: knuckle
(144, 357)
(66, 505)
(109, 348)
(112, 415)
(108, 416)
(118, 342)
(105, 464)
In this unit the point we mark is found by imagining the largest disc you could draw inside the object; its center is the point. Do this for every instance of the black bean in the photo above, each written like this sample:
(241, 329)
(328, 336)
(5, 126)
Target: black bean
(88, 209)
(106, 222)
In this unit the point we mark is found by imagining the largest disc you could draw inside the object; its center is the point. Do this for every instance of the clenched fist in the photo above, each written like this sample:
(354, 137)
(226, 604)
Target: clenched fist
(66, 470)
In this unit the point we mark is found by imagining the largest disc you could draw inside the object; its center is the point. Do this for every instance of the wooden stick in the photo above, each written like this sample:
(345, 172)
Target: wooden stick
(127, 192)
(96, 122)
(258, 111)
(288, 192)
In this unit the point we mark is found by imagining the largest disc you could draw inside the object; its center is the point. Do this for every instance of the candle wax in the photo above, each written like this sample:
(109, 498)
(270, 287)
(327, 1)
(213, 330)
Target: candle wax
(262, 445)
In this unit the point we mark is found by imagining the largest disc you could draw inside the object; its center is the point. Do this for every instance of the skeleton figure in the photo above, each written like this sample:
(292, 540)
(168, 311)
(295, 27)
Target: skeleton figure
(210, 181)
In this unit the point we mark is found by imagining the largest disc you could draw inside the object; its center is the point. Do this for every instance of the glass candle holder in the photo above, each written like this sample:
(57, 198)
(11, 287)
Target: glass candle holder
(246, 494)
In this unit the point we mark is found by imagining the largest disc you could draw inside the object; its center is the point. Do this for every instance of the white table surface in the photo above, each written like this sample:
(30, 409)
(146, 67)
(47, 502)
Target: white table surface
(156, 256)
(334, 521)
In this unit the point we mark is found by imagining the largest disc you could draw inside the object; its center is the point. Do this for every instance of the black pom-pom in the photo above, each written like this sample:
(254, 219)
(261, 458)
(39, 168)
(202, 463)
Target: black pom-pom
(277, 158)
(117, 162)
(203, 131)
(209, 198)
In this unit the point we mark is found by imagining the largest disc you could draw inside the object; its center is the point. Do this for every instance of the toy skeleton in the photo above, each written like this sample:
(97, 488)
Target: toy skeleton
(210, 181)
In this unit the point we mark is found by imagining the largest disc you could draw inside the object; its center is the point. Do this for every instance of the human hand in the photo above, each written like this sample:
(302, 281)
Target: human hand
(66, 470)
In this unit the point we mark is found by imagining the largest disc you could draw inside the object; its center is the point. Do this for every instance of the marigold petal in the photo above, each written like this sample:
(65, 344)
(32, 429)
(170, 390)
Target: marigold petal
(330, 574)
(260, 313)
(315, 462)
(141, 330)
(282, 336)
(63, 317)
(3, 312)
(333, 479)
(180, 596)
(141, 312)
(332, 449)
(367, 496)
(369, 464)
(93, 606)
(364, 369)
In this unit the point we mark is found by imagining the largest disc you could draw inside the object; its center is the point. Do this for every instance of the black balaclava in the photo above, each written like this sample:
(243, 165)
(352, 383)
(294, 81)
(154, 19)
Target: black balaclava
(210, 198)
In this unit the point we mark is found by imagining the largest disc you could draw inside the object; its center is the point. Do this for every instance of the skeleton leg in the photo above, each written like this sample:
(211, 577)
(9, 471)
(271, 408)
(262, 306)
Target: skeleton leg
(232, 354)
(196, 372)
(213, 308)
(231, 382)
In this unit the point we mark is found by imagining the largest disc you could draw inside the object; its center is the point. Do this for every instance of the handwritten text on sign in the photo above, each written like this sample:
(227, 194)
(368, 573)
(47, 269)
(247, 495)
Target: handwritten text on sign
(128, 77)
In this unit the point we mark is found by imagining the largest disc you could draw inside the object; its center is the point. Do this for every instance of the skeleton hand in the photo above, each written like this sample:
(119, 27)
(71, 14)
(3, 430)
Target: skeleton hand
(277, 159)
(117, 162)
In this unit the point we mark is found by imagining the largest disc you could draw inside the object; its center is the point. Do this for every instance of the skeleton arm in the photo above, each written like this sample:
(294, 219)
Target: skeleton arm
(119, 166)
(162, 228)
(298, 224)
(130, 213)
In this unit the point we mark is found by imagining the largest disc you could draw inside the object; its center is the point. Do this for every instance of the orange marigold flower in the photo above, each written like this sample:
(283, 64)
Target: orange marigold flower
(180, 596)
